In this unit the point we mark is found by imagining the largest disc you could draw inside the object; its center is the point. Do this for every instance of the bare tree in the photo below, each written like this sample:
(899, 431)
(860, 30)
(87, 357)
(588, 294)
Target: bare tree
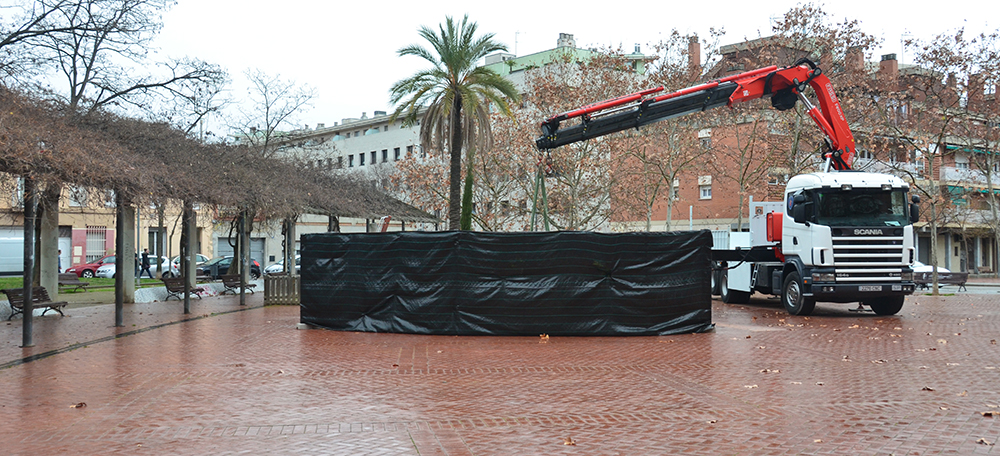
(29, 20)
(273, 104)
(101, 49)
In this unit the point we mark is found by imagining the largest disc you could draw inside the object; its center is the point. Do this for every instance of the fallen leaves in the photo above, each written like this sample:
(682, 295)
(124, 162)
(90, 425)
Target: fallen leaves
(963, 394)
(543, 338)
(926, 388)
(750, 386)
(983, 441)
(79, 405)
(769, 371)
(990, 414)
(879, 361)
(712, 421)
(569, 441)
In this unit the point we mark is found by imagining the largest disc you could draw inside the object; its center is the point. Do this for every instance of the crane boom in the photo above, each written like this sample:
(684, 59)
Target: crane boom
(784, 86)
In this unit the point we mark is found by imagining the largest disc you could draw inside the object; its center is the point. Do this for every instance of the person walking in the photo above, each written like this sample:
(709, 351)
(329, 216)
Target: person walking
(145, 264)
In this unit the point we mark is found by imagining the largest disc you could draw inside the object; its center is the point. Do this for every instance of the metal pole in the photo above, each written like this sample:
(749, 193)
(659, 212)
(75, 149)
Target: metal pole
(244, 256)
(138, 244)
(691, 218)
(30, 203)
(186, 254)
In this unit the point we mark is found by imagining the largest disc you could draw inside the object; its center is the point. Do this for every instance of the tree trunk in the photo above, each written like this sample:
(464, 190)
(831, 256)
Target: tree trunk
(28, 310)
(467, 192)
(455, 173)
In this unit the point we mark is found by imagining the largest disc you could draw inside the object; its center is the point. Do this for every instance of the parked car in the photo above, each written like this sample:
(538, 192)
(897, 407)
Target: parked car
(175, 264)
(107, 271)
(88, 270)
(221, 266)
(279, 267)
(920, 267)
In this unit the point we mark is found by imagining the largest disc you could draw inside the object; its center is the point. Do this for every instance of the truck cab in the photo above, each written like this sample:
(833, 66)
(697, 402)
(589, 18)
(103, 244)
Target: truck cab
(847, 236)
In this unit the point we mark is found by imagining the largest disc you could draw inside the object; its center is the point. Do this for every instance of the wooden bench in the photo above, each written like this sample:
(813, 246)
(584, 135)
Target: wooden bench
(232, 284)
(39, 298)
(70, 280)
(175, 288)
(925, 279)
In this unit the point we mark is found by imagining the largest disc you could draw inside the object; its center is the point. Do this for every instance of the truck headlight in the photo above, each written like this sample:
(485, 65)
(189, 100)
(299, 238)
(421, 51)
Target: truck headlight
(907, 276)
(824, 277)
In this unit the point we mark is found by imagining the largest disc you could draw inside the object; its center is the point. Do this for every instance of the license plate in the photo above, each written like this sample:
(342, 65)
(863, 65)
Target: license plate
(870, 288)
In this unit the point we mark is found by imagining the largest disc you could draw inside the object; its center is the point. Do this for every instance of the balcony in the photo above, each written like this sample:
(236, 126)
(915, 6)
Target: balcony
(894, 168)
(967, 176)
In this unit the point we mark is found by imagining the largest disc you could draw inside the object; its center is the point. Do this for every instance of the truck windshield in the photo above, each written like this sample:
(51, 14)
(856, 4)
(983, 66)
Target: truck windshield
(861, 207)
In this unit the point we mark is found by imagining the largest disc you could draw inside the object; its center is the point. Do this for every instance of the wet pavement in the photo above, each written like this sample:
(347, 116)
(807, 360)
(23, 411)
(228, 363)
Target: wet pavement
(234, 380)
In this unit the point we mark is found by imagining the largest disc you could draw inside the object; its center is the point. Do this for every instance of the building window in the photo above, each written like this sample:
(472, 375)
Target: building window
(350, 161)
(385, 128)
(374, 158)
(361, 159)
(962, 165)
(705, 137)
(409, 151)
(677, 189)
(340, 161)
(395, 154)
(96, 242)
(705, 187)
(77, 196)
(866, 154)
(319, 163)
(385, 155)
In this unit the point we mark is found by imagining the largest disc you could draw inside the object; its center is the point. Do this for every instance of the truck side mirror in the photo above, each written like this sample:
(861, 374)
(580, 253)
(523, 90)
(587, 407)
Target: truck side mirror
(914, 212)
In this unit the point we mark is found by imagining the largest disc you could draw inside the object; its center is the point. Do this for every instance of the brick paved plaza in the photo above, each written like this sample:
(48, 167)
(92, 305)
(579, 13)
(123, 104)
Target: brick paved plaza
(234, 381)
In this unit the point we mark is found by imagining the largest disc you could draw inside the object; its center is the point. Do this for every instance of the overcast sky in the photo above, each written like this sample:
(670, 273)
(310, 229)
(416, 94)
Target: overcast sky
(347, 49)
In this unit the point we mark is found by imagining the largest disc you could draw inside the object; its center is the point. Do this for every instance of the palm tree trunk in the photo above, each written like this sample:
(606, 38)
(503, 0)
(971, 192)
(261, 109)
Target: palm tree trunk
(455, 147)
(467, 192)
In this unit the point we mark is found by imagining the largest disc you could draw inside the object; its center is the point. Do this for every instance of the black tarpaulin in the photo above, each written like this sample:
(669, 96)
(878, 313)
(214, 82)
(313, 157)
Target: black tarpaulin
(475, 283)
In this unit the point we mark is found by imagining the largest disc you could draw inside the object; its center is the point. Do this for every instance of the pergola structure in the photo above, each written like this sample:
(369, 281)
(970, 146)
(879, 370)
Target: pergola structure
(149, 163)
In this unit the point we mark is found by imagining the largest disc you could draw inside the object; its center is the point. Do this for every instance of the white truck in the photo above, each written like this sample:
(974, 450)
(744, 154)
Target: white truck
(838, 236)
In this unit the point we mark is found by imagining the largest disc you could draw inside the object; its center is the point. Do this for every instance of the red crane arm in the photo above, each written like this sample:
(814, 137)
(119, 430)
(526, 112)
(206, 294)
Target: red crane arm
(783, 85)
(828, 116)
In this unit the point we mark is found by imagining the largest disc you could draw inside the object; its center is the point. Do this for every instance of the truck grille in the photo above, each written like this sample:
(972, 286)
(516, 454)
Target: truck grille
(868, 258)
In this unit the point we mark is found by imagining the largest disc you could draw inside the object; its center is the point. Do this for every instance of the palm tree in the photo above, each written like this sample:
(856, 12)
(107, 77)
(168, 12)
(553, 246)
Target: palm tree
(458, 95)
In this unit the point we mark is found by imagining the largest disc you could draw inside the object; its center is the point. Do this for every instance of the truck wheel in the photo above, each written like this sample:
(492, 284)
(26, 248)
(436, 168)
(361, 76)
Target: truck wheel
(731, 296)
(887, 306)
(791, 296)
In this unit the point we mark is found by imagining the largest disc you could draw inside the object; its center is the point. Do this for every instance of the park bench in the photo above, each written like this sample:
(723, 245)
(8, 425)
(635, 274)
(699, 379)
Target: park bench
(175, 288)
(925, 279)
(70, 280)
(232, 284)
(39, 298)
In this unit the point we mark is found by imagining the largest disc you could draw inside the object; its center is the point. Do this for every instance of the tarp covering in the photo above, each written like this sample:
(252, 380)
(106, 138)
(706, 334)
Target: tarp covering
(475, 283)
